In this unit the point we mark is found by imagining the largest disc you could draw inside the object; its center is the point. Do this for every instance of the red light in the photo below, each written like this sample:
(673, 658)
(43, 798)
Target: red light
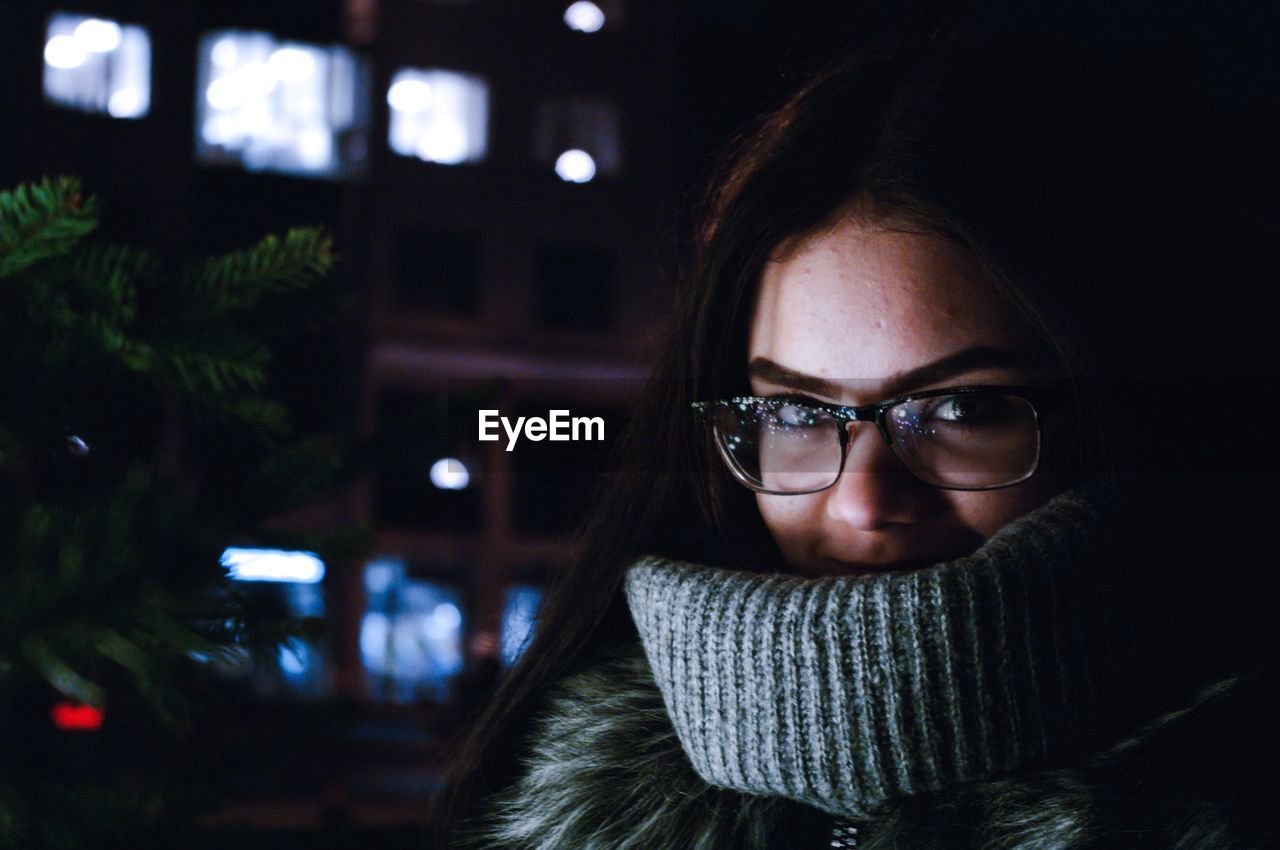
(76, 718)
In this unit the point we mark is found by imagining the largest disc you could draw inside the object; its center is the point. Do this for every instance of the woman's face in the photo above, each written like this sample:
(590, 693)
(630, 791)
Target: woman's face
(845, 316)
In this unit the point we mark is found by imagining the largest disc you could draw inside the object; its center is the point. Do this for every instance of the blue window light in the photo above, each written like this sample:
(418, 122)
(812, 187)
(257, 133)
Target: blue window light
(438, 116)
(449, 473)
(287, 107)
(584, 16)
(97, 65)
(410, 635)
(300, 668)
(245, 564)
(592, 16)
(579, 137)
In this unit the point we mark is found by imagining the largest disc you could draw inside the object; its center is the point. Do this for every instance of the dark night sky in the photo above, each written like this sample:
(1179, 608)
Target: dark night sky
(1216, 60)
(1228, 46)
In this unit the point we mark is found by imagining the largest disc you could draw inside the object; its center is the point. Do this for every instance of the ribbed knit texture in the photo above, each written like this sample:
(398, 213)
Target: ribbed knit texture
(845, 692)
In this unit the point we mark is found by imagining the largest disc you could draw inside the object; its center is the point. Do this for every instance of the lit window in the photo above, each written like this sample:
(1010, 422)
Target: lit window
(299, 667)
(419, 431)
(584, 16)
(280, 106)
(591, 16)
(518, 620)
(580, 138)
(575, 166)
(97, 65)
(410, 636)
(438, 116)
(272, 565)
(449, 473)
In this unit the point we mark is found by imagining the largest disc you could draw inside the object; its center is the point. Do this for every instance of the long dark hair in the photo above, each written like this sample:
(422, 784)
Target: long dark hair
(1030, 157)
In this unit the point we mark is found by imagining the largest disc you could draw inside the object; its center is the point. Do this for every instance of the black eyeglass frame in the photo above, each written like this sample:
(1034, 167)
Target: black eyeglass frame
(1043, 399)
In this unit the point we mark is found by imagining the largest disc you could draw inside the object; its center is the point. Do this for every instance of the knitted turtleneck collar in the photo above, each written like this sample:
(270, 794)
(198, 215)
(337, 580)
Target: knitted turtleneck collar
(846, 692)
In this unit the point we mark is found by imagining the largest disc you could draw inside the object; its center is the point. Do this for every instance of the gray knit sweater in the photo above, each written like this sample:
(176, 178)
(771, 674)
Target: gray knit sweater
(845, 692)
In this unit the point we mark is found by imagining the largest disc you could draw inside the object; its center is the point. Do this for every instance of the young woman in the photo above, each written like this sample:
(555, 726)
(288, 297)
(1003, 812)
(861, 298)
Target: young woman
(928, 532)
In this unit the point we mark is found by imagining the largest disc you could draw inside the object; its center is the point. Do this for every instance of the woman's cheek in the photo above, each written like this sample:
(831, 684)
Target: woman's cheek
(793, 521)
(986, 512)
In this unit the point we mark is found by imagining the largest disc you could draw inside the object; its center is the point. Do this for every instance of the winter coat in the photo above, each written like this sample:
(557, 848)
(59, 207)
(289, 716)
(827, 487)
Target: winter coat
(605, 771)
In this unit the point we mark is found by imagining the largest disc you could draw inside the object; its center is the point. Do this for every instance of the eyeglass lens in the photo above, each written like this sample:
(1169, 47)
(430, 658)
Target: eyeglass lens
(971, 441)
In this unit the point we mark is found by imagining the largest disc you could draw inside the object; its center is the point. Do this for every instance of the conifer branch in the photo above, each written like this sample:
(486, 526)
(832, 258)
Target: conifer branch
(42, 220)
(239, 280)
(110, 581)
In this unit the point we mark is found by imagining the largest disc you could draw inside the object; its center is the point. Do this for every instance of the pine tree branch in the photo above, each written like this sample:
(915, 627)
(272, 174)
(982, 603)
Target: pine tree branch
(239, 280)
(110, 584)
(295, 476)
(212, 360)
(108, 277)
(42, 220)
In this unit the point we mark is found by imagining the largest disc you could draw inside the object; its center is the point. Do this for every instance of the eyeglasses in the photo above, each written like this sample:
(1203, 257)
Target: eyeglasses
(959, 438)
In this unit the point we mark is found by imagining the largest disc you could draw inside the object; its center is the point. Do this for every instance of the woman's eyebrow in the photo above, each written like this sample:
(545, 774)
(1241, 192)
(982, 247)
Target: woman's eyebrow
(764, 369)
(956, 363)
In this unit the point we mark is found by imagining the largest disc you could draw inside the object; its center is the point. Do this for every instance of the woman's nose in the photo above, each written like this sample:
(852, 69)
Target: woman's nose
(874, 489)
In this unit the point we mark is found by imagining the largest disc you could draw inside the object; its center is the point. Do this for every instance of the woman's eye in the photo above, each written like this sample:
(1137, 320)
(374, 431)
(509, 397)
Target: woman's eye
(957, 410)
(793, 415)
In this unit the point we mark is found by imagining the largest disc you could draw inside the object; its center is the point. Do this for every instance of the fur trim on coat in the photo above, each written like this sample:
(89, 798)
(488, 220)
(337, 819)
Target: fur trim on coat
(605, 771)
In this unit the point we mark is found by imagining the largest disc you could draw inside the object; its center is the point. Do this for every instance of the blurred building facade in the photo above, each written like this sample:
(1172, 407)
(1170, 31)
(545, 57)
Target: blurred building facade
(497, 174)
